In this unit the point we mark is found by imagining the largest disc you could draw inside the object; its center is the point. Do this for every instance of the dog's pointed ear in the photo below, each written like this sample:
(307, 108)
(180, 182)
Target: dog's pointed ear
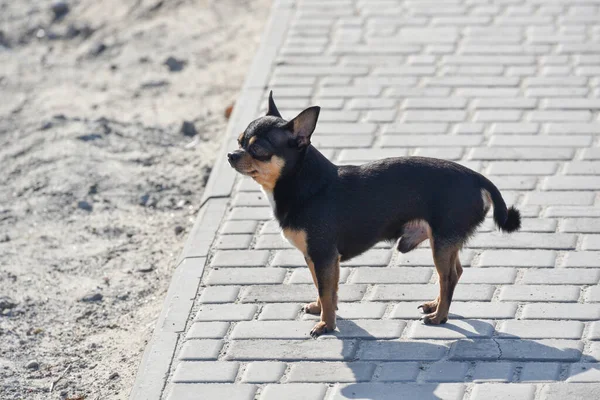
(304, 125)
(272, 110)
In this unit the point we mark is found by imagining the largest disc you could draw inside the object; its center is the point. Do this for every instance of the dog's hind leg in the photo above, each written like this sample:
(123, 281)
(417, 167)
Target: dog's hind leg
(445, 257)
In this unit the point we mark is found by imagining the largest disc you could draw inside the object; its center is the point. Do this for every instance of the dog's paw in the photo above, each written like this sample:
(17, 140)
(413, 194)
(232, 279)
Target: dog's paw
(312, 308)
(319, 329)
(434, 319)
(429, 307)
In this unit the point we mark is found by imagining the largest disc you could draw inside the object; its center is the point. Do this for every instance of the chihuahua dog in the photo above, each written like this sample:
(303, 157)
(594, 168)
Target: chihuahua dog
(333, 213)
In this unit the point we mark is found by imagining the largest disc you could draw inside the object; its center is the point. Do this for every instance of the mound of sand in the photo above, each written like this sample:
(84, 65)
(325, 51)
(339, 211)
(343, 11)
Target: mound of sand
(110, 118)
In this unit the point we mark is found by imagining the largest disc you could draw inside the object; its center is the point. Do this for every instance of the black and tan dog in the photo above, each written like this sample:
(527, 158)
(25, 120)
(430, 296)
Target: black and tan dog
(333, 213)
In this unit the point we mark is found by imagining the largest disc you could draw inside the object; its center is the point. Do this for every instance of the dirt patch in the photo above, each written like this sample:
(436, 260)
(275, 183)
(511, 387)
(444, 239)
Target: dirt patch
(111, 114)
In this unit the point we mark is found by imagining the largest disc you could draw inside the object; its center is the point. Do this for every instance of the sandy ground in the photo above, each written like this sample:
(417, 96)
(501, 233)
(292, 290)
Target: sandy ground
(98, 185)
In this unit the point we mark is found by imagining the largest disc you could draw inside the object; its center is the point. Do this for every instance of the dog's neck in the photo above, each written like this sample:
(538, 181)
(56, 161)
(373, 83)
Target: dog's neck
(312, 173)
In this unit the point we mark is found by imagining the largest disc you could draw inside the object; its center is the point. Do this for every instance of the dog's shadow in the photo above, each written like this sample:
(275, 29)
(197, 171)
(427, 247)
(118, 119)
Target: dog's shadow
(401, 383)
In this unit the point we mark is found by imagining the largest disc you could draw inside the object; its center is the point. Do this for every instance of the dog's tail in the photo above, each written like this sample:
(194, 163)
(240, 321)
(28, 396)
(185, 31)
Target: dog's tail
(508, 220)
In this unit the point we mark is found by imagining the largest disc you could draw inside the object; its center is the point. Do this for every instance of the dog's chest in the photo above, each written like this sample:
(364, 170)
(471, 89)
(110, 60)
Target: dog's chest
(297, 238)
(269, 196)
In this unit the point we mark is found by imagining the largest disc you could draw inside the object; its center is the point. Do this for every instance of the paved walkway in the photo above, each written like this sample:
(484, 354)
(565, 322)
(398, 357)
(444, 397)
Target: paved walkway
(509, 88)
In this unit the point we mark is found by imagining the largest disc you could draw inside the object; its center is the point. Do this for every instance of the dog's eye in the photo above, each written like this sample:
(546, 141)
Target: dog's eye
(258, 151)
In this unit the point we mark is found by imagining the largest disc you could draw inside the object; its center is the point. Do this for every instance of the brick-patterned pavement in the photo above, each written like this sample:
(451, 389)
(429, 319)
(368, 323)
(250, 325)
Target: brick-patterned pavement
(509, 88)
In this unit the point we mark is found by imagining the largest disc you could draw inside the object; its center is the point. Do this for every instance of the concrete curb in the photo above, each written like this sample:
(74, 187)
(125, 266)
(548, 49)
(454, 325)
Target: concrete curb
(158, 356)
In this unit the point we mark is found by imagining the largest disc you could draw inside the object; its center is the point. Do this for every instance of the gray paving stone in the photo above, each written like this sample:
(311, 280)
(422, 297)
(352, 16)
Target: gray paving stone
(235, 227)
(572, 128)
(288, 258)
(398, 372)
(246, 276)
(560, 198)
(493, 372)
(582, 259)
(435, 103)
(215, 295)
(494, 276)
(515, 128)
(198, 350)
(283, 293)
(251, 213)
(369, 329)
(371, 258)
(405, 350)
(561, 391)
(404, 391)
(582, 225)
(561, 276)
(246, 258)
(582, 312)
(523, 168)
(272, 241)
(593, 294)
(445, 371)
(294, 391)
(212, 391)
(591, 242)
(572, 183)
(279, 311)
(524, 240)
(291, 350)
(429, 292)
(517, 350)
(208, 330)
(481, 310)
(226, 312)
(331, 372)
(205, 372)
(497, 116)
(540, 372)
(263, 372)
(541, 141)
(415, 128)
(584, 372)
(540, 329)
(471, 350)
(392, 275)
(546, 293)
(499, 391)
(520, 153)
(583, 168)
(425, 140)
(572, 211)
(453, 329)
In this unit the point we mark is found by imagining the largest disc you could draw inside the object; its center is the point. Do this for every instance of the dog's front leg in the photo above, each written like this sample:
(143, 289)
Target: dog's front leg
(327, 274)
(315, 306)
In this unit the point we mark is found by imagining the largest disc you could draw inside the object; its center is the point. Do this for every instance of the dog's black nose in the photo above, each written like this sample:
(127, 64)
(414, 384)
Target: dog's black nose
(233, 156)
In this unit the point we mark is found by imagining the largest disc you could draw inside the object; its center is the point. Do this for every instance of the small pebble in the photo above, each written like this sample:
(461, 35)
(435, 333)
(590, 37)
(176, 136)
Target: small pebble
(113, 375)
(188, 129)
(178, 229)
(34, 365)
(92, 297)
(174, 64)
(146, 268)
(84, 205)
(60, 9)
(7, 303)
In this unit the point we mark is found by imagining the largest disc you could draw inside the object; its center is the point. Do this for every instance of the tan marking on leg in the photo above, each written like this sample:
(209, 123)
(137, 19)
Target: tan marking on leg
(315, 306)
(445, 264)
(328, 286)
(240, 138)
